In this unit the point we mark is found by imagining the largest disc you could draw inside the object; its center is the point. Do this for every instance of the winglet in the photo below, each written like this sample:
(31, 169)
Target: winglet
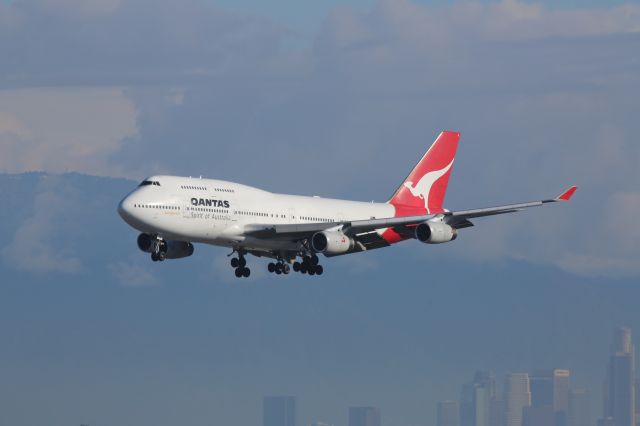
(566, 195)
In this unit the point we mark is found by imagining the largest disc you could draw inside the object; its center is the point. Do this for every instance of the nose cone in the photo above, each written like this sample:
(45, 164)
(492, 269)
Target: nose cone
(125, 209)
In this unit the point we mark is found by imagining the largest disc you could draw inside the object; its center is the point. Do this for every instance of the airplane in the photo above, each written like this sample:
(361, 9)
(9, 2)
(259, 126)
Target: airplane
(172, 213)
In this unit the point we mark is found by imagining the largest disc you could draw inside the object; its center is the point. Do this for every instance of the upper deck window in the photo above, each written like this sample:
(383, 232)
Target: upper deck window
(149, 182)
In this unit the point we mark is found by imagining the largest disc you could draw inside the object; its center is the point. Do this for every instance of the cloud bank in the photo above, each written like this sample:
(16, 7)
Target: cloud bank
(543, 97)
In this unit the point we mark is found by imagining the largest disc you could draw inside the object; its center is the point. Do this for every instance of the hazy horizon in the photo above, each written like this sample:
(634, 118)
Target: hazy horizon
(337, 99)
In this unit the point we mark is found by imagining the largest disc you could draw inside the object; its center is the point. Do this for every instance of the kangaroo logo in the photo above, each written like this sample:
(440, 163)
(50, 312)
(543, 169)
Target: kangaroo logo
(423, 187)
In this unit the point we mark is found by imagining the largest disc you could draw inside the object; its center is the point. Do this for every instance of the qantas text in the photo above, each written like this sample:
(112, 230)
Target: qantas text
(210, 203)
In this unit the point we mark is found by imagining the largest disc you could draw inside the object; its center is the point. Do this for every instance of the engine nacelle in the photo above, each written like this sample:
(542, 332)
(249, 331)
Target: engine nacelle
(145, 243)
(435, 233)
(331, 242)
(171, 249)
(177, 249)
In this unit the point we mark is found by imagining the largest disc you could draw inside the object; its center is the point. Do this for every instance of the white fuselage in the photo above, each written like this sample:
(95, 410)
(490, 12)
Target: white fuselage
(217, 212)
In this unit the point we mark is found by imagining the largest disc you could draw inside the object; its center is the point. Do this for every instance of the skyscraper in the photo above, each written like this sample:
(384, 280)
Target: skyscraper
(448, 414)
(619, 401)
(579, 408)
(517, 396)
(561, 385)
(364, 416)
(551, 387)
(538, 416)
(637, 401)
(279, 411)
(497, 413)
(476, 399)
(541, 384)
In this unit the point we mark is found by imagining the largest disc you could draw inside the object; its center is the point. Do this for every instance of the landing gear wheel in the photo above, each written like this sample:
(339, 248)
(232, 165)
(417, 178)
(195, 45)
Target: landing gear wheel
(312, 271)
(296, 266)
(271, 267)
(246, 272)
(161, 256)
(234, 262)
(319, 270)
(314, 259)
(242, 262)
(239, 272)
(285, 268)
(154, 257)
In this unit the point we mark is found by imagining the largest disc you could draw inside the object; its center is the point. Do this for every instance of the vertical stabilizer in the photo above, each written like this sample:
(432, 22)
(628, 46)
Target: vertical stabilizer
(424, 189)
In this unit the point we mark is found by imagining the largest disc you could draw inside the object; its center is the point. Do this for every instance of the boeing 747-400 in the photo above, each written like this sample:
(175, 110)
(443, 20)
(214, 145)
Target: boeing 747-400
(174, 212)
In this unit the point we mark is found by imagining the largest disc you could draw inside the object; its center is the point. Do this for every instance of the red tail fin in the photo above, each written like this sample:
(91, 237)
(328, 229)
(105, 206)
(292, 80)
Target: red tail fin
(424, 189)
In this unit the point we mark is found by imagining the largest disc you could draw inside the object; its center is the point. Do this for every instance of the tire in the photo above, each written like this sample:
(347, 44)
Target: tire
(314, 259)
(234, 262)
(154, 257)
(319, 270)
(242, 262)
(296, 266)
(278, 271)
(162, 256)
(271, 267)
(246, 272)
(312, 271)
(286, 269)
(239, 272)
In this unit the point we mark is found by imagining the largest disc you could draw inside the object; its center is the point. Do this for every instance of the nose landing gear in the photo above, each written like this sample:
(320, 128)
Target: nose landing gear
(158, 250)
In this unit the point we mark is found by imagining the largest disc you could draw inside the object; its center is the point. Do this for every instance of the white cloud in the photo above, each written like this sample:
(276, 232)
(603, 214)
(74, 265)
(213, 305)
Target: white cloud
(81, 8)
(132, 275)
(62, 129)
(544, 97)
(33, 247)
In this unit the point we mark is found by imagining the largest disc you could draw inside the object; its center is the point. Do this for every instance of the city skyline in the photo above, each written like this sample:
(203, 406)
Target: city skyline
(545, 398)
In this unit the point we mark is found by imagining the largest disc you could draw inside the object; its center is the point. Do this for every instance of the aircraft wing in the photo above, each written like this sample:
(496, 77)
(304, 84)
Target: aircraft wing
(460, 219)
(364, 229)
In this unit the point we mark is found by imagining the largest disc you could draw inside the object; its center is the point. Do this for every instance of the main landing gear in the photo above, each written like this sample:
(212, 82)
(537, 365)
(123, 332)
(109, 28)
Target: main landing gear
(309, 265)
(280, 267)
(240, 265)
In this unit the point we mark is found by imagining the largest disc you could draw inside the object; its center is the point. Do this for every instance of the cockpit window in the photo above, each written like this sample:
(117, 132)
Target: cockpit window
(149, 182)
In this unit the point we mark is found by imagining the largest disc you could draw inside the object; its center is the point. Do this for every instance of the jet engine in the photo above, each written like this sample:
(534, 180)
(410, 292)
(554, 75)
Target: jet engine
(170, 249)
(145, 243)
(331, 242)
(177, 249)
(435, 233)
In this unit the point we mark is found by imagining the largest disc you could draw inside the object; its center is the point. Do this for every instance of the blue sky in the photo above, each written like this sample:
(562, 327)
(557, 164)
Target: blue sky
(307, 16)
(311, 98)
(117, 341)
